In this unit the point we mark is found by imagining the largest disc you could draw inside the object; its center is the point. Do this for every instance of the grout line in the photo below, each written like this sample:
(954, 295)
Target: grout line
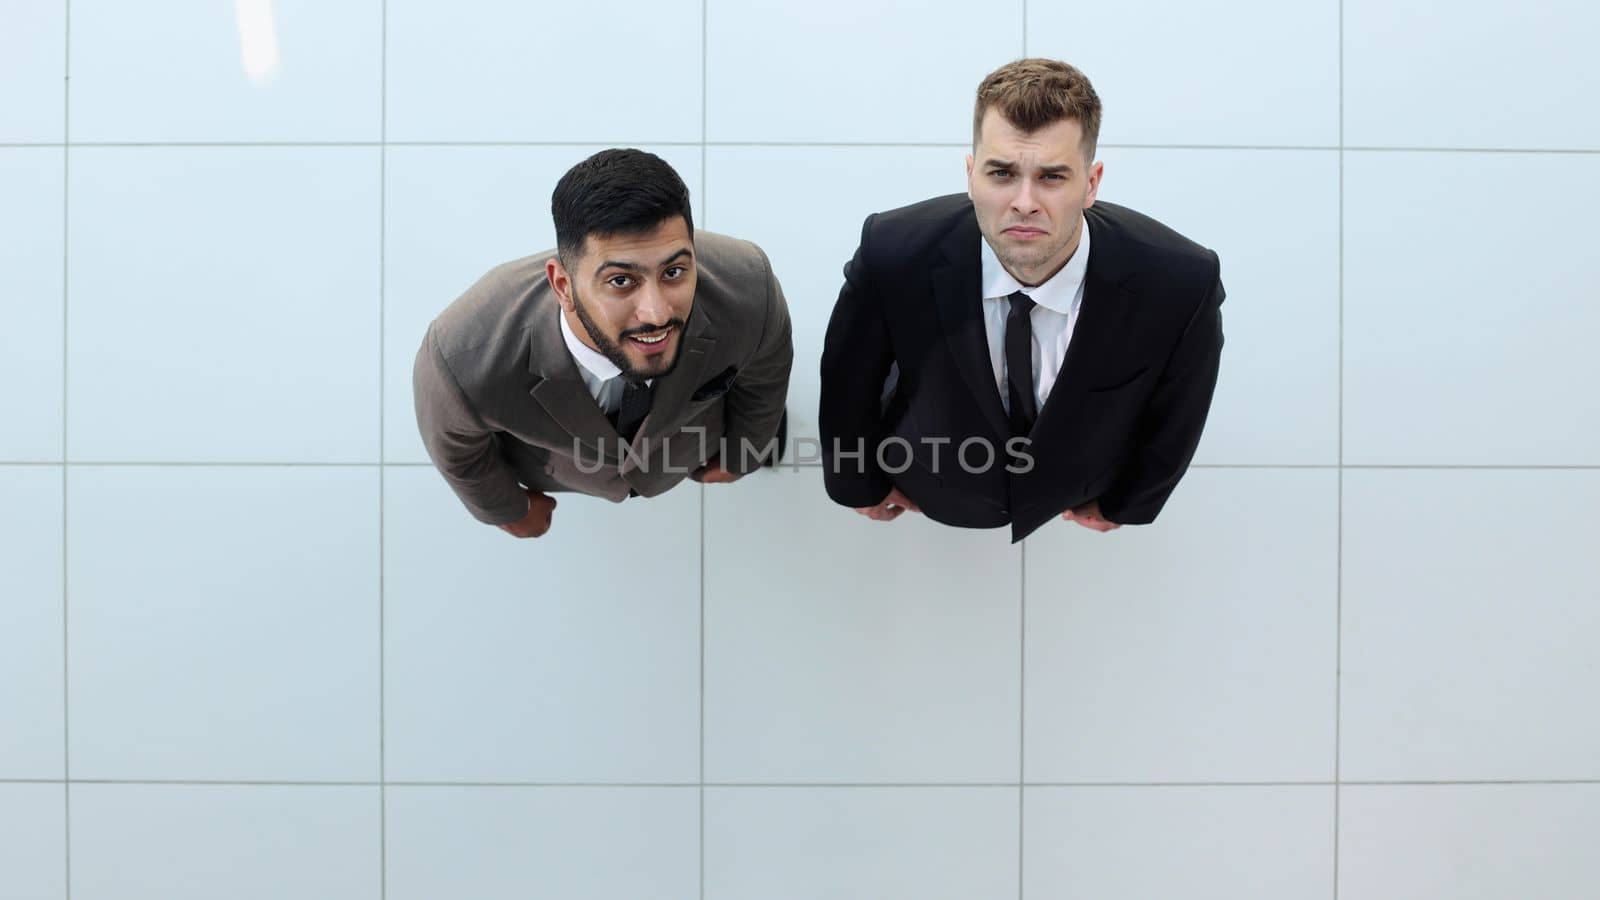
(1338, 575)
(169, 464)
(191, 145)
(66, 630)
(1463, 467)
(1022, 710)
(705, 113)
(210, 464)
(1373, 783)
(800, 144)
(597, 785)
(157, 782)
(1508, 782)
(1536, 150)
(1264, 466)
(383, 287)
(1312, 784)
(580, 144)
(354, 144)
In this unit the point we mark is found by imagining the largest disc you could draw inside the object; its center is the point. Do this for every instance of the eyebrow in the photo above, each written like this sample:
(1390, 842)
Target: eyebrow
(635, 267)
(1006, 164)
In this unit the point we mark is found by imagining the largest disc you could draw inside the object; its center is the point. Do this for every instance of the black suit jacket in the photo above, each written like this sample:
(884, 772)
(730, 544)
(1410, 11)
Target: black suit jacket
(1121, 423)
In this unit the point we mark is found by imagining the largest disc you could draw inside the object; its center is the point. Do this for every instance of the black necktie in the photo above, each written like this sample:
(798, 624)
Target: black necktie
(1019, 364)
(634, 407)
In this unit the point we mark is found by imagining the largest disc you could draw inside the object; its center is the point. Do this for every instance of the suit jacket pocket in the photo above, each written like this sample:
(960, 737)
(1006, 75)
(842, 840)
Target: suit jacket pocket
(1121, 383)
(720, 384)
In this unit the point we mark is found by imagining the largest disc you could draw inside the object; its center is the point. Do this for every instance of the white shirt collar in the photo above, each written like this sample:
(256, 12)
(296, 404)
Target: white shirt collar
(1060, 293)
(592, 361)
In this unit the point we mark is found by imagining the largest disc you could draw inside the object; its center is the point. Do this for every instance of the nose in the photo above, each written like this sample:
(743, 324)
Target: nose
(652, 308)
(1024, 202)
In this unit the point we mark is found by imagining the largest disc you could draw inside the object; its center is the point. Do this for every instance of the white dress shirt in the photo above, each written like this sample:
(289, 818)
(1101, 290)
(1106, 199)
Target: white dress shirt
(600, 375)
(1053, 318)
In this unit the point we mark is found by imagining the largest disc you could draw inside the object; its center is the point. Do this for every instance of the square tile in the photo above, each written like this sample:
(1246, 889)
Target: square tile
(252, 70)
(33, 71)
(924, 843)
(224, 304)
(484, 70)
(840, 649)
(1200, 648)
(805, 207)
(223, 623)
(1273, 218)
(1467, 330)
(1469, 842)
(1469, 634)
(33, 841)
(574, 657)
(1491, 73)
(32, 255)
(833, 71)
(1198, 843)
(499, 843)
(1244, 73)
(196, 842)
(452, 214)
(32, 705)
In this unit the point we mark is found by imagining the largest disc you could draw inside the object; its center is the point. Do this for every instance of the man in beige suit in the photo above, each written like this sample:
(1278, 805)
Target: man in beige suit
(637, 353)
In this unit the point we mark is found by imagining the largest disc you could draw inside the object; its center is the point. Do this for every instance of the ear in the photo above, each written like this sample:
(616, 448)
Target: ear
(560, 282)
(1095, 172)
(969, 174)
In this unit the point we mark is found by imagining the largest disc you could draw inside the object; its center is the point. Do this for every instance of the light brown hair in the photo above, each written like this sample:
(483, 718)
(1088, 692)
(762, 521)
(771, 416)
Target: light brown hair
(1033, 93)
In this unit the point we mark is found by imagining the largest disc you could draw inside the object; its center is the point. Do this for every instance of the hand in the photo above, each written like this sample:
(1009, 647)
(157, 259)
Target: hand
(713, 473)
(889, 508)
(541, 507)
(1088, 515)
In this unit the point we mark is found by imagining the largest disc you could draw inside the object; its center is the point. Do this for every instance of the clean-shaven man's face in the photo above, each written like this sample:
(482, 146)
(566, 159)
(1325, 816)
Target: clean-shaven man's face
(629, 295)
(1029, 190)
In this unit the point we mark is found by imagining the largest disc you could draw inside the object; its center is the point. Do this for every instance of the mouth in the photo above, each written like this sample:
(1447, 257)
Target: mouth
(1024, 232)
(651, 342)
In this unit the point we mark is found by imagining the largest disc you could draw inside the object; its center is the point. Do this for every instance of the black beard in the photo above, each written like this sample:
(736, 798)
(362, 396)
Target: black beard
(612, 350)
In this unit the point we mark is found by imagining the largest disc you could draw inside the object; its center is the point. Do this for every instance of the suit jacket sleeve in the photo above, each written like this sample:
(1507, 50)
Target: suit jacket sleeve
(856, 356)
(1173, 418)
(461, 446)
(755, 403)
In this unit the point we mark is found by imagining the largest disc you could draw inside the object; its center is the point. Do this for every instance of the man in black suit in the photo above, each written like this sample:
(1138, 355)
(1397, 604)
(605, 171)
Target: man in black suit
(1020, 352)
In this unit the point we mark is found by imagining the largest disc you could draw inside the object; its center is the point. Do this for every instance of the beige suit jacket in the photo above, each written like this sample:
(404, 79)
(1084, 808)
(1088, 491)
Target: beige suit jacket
(501, 405)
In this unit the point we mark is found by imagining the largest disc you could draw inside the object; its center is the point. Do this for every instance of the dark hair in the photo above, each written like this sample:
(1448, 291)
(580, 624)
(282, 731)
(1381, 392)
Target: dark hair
(615, 192)
(1033, 93)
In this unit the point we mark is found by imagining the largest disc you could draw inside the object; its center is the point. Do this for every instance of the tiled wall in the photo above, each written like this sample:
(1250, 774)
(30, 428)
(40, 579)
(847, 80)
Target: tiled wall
(252, 647)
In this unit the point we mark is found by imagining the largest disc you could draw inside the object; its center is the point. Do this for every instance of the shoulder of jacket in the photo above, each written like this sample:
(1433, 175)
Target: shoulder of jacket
(1158, 247)
(496, 310)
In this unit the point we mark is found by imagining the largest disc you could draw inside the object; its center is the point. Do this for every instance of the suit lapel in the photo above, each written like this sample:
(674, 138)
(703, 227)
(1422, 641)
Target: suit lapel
(673, 391)
(1108, 296)
(958, 294)
(559, 388)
